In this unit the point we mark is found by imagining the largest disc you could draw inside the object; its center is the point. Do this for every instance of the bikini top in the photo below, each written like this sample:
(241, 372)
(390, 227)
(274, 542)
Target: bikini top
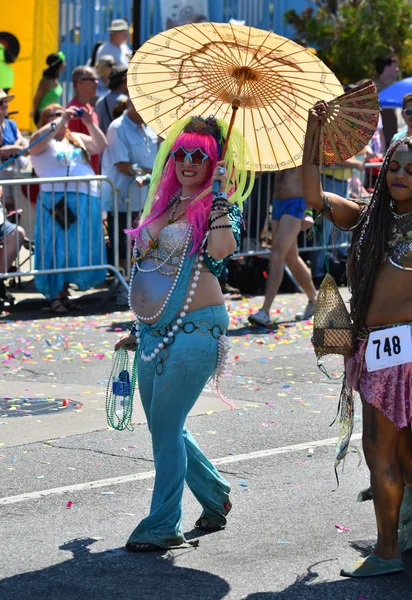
(171, 241)
(170, 244)
(399, 246)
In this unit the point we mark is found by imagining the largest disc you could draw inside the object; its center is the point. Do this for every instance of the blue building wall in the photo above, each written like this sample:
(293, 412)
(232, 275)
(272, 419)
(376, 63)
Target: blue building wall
(85, 22)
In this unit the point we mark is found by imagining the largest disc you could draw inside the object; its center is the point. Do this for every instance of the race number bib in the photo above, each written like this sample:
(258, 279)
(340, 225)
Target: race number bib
(389, 347)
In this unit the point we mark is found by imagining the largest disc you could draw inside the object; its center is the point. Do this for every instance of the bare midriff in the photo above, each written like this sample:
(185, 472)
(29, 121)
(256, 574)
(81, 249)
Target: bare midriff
(149, 290)
(391, 298)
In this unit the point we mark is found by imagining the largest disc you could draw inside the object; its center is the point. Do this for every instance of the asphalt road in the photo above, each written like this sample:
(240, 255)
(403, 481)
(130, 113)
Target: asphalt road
(72, 490)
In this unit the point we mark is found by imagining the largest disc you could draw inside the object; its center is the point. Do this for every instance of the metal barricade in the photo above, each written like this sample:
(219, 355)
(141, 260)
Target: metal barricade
(64, 216)
(258, 211)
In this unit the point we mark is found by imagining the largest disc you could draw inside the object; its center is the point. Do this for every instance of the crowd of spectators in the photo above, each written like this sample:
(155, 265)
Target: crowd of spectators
(100, 132)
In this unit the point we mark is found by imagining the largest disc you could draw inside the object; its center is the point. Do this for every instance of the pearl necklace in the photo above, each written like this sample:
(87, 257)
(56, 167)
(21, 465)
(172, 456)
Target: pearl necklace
(178, 272)
(178, 322)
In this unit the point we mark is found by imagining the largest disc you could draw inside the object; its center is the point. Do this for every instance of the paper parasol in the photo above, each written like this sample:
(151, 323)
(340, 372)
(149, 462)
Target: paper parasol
(221, 69)
(351, 121)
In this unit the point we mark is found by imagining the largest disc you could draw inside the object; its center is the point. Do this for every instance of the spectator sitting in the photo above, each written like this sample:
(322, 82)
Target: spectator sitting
(117, 93)
(117, 46)
(69, 226)
(85, 85)
(407, 117)
(49, 90)
(11, 143)
(129, 157)
(11, 239)
(104, 67)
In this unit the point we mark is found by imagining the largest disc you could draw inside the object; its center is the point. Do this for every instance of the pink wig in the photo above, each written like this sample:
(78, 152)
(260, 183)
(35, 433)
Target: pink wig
(169, 186)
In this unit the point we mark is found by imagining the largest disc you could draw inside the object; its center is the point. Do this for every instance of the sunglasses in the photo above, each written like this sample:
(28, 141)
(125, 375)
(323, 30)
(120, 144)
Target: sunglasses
(196, 157)
(89, 79)
(56, 114)
(408, 112)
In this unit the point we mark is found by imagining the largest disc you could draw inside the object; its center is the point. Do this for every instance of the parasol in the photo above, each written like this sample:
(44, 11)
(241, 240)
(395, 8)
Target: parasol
(222, 69)
(350, 122)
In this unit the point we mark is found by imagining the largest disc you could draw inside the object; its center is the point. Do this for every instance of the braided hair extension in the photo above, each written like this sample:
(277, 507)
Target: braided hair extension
(369, 241)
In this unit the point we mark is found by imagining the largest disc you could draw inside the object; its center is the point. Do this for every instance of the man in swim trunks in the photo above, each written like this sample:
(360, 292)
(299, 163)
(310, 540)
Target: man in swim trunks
(289, 216)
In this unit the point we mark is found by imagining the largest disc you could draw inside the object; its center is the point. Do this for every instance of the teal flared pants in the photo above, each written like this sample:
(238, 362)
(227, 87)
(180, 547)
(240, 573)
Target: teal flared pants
(167, 399)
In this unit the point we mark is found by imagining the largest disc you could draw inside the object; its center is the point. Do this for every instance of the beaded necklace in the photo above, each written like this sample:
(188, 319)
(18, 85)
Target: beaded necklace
(153, 244)
(399, 247)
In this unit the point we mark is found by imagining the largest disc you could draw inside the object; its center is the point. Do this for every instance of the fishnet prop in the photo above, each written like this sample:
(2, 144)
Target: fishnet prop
(332, 327)
(120, 392)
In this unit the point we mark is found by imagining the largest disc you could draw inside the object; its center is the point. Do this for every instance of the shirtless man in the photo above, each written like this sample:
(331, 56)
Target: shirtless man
(289, 217)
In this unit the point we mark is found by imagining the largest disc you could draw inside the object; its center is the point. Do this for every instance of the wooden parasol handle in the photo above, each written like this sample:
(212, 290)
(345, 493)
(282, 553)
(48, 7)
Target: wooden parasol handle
(235, 106)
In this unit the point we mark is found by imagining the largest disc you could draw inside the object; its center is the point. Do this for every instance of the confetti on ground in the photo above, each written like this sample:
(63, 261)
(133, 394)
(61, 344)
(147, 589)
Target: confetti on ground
(341, 528)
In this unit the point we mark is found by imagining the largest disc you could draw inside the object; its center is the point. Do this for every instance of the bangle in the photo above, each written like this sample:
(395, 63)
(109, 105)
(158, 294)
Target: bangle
(220, 195)
(220, 227)
(219, 206)
(308, 212)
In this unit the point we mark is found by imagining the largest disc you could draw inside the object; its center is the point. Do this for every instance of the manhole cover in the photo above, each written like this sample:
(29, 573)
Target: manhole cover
(28, 407)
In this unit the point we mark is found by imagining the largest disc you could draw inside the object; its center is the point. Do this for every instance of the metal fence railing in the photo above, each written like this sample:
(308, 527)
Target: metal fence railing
(40, 258)
(71, 240)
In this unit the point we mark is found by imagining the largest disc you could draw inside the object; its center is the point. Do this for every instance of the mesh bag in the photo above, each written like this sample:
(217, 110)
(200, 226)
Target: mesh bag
(120, 392)
(332, 327)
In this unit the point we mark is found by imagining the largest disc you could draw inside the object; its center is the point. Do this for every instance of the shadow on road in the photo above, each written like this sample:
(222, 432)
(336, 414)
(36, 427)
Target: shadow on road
(307, 586)
(113, 574)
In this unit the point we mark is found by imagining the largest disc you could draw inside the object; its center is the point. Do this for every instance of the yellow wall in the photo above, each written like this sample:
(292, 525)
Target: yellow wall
(35, 23)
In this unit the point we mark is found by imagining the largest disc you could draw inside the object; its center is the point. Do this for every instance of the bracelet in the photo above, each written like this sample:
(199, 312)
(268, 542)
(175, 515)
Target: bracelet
(308, 212)
(220, 227)
(220, 202)
(216, 218)
(220, 195)
(134, 328)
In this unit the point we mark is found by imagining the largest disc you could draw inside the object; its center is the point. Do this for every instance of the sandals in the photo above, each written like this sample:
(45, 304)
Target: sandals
(142, 547)
(63, 305)
(57, 307)
(70, 304)
(204, 524)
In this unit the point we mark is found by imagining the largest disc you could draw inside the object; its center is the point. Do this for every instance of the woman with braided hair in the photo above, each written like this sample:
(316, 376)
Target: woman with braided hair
(181, 320)
(69, 223)
(380, 369)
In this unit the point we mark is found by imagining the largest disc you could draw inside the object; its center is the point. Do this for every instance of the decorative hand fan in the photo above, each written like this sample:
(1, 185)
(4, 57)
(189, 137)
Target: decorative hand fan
(351, 121)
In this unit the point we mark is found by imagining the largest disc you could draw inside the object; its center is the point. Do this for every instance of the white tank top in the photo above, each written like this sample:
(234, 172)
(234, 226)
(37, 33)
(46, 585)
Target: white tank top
(62, 159)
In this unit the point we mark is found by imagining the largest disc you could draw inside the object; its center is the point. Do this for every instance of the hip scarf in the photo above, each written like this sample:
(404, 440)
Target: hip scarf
(389, 390)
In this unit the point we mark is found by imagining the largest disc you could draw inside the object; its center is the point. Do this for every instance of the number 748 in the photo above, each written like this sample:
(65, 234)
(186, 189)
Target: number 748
(390, 345)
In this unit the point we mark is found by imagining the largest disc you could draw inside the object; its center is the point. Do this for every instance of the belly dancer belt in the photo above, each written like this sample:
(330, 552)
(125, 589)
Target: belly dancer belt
(202, 328)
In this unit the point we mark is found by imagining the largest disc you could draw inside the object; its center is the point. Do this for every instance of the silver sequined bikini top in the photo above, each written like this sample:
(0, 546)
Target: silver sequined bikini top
(171, 242)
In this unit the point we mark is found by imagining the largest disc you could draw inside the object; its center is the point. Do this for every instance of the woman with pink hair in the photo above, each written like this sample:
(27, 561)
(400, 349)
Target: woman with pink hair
(181, 320)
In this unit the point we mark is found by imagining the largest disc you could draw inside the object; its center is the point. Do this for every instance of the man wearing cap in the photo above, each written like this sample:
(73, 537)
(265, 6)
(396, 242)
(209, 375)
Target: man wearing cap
(118, 93)
(117, 46)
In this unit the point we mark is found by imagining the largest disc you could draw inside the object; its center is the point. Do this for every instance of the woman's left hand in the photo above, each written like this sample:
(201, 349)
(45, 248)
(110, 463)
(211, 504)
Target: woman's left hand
(220, 174)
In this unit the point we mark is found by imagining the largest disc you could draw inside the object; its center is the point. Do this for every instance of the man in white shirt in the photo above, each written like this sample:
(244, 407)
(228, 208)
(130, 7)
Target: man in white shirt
(117, 45)
(129, 157)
